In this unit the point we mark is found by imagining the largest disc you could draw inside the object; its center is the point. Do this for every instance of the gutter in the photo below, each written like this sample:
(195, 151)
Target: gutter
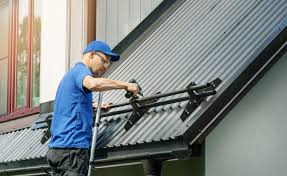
(38, 170)
(159, 151)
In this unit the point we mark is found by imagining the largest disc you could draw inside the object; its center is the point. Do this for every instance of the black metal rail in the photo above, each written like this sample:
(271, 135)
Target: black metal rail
(161, 95)
(146, 106)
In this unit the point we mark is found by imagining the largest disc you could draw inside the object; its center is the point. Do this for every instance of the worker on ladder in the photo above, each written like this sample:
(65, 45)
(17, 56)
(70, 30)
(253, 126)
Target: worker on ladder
(71, 128)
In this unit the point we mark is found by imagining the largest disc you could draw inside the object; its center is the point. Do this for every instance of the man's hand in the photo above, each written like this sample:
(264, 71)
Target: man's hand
(105, 106)
(131, 87)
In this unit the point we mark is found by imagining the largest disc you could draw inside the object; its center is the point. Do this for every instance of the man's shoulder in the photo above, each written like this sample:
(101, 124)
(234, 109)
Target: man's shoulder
(79, 68)
(75, 70)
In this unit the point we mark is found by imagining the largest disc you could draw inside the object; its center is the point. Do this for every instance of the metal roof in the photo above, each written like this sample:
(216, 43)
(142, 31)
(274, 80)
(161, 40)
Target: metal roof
(22, 144)
(199, 41)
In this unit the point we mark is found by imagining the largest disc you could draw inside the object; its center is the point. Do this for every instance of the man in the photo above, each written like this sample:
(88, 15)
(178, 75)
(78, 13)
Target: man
(71, 128)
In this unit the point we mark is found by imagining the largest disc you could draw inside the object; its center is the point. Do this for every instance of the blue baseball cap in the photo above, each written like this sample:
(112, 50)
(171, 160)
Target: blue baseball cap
(100, 46)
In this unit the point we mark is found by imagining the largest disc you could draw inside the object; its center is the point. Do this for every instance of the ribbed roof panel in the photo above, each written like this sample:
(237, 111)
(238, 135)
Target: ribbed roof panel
(200, 41)
(21, 145)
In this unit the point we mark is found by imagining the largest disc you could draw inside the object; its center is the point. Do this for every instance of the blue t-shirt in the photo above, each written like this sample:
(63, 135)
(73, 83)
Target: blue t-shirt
(73, 112)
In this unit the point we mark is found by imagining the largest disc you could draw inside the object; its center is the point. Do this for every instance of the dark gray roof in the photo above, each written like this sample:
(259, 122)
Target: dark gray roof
(193, 41)
(22, 144)
(200, 41)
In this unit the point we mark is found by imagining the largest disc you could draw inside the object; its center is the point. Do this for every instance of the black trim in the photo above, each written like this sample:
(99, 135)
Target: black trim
(196, 130)
(35, 170)
(17, 165)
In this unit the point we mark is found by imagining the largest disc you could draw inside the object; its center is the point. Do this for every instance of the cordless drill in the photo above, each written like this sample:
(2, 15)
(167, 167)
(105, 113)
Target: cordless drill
(130, 94)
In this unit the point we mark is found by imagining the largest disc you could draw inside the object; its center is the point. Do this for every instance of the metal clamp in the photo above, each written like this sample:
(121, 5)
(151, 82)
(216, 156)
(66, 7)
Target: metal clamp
(47, 133)
(197, 96)
(139, 109)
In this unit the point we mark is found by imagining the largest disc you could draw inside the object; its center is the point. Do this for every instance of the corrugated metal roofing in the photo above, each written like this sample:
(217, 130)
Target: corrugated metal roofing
(199, 41)
(23, 144)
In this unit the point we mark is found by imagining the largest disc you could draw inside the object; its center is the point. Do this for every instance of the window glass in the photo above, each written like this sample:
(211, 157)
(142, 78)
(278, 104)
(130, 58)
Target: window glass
(4, 23)
(3, 85)
(22, 53)
(36, 53)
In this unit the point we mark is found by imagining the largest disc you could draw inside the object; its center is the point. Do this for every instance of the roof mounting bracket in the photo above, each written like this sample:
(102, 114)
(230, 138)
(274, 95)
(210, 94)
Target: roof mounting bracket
(47, 133)
(197, 96)
(139, 110)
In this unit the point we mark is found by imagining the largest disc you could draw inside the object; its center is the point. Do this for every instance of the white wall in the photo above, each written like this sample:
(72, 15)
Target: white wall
(116, 18)
(251, 140)
(78, 30)
(53, 47)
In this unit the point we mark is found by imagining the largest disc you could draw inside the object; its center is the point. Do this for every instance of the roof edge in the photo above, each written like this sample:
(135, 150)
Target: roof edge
(17, 167)
(239, 87)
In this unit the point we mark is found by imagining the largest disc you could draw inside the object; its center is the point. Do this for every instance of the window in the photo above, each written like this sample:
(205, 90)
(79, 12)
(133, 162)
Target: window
(19, 58)
(4, 23)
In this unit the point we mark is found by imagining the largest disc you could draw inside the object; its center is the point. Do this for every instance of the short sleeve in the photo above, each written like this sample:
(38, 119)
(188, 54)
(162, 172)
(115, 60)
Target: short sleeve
(80, 75)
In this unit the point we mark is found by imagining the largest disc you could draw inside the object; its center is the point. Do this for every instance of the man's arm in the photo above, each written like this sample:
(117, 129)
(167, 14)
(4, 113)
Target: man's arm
(104, 84)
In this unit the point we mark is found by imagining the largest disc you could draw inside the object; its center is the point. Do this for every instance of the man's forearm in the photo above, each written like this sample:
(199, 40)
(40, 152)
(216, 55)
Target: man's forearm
(104, 84)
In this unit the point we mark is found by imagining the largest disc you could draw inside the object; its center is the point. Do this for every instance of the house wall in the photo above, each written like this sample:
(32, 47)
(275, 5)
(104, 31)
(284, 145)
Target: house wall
(190, 167)
(116, 18)
(54, 58)
(251, 140)
(78, 34)
(17, 123)
(63, 41)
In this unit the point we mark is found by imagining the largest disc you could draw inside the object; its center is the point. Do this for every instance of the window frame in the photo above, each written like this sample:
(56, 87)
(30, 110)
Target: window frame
(12, 111)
